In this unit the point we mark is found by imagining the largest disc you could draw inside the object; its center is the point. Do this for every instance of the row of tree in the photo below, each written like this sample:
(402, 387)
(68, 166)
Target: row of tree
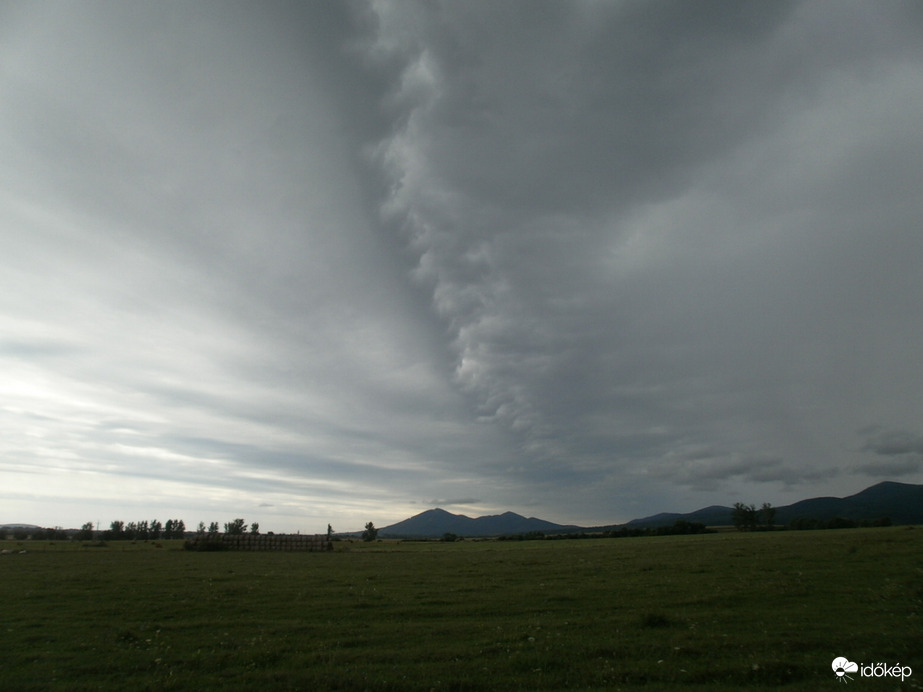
(154, 530)
(809, 523)
(136, 530)
(680, 527)
(749, 518)
(38, 533)
(151, 530)
(238, 527)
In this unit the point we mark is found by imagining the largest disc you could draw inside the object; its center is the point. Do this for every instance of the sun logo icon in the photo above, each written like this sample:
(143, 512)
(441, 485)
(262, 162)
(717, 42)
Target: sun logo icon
(841, 666)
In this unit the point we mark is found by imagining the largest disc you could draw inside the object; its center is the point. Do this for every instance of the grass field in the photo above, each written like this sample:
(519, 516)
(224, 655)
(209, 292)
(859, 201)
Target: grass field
(730, 611)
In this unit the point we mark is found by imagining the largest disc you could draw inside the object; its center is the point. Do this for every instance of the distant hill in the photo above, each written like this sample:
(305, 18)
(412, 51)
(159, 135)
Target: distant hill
(714, 515)
(437, 522)
(902, 502)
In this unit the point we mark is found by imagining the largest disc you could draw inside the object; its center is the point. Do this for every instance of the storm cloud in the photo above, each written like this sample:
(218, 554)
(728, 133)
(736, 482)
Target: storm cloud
(318, 262)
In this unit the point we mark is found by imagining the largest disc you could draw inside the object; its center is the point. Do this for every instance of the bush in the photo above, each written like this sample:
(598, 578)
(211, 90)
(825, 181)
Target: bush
(205, 546)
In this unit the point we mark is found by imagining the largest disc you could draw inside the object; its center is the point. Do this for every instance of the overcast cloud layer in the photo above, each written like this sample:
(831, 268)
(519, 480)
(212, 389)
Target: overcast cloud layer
(341, 262)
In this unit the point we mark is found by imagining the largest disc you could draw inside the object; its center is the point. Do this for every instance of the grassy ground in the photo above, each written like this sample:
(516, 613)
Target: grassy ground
(713, 612)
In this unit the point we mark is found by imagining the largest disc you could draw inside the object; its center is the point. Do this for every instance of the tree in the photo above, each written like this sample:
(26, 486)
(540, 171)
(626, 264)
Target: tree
(213, 527)
(254, 529)
(768, 515)
(116, 530)
(86, 532)
(179, 528)
(329, 532)
(235, 528)
(370, 533)
(744, 516)
(156, 530)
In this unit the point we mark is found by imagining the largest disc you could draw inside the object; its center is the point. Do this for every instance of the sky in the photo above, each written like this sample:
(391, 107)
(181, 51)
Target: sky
(311, 263)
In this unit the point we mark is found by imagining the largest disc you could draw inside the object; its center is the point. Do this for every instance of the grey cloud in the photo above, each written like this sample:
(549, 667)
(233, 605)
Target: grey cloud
(711, 470)
(895, 467)
(454, 501)
(657, 89)
(586, 258)
(631, 234)
(194, 240)
(894, 442)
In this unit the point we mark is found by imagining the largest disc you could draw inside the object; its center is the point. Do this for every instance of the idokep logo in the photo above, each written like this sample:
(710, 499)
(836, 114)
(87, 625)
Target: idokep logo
(843, 666)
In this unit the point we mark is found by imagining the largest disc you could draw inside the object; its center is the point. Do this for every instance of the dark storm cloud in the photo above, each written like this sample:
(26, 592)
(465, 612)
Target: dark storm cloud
(894, 442)
(893, 467)
(591, 259)
(897, 453)
(660, 227)
(584, 109)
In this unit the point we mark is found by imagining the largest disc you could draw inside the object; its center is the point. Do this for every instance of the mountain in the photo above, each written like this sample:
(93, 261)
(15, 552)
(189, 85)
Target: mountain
(438, 522)
(902, 502)
(714, 515)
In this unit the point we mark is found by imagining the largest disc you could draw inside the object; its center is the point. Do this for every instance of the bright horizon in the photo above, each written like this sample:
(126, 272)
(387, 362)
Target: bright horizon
(193, 527)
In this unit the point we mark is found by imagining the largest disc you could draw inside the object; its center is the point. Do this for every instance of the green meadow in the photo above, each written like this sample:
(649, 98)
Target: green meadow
(728, 611)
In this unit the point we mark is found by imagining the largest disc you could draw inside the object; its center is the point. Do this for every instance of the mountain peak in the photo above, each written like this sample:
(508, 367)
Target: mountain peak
(437, 522)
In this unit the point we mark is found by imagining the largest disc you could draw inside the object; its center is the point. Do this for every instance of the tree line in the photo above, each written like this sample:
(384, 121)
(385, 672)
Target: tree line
(22, 533)
(136, 530)
(680, 527)
(749, 518)
(154, 530)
